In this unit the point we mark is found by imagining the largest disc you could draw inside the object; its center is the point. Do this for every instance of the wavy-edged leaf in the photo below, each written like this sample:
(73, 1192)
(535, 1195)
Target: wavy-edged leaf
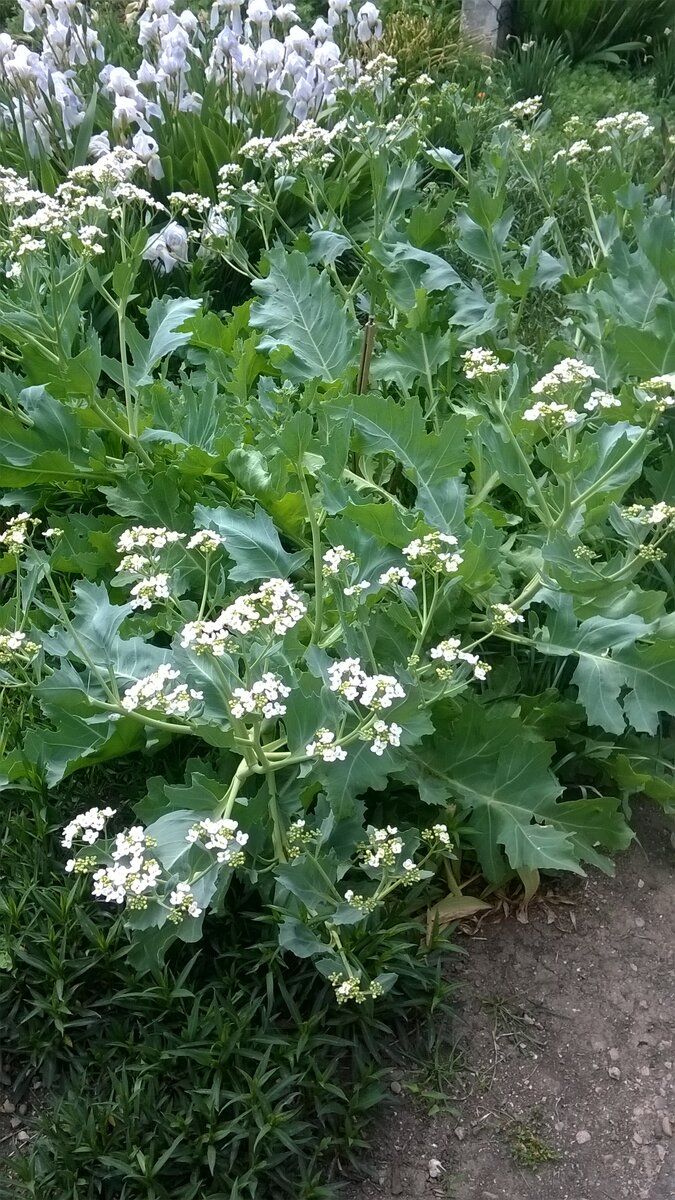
(298, 310)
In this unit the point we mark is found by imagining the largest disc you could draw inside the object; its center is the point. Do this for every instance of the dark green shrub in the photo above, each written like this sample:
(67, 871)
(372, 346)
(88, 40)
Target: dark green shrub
(600, 29)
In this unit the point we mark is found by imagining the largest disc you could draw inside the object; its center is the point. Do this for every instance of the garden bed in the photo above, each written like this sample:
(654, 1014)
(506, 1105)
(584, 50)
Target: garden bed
(563, 1050)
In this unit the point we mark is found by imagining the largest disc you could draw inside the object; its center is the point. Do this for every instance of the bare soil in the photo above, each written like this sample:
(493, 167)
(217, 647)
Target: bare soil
(561, 1079)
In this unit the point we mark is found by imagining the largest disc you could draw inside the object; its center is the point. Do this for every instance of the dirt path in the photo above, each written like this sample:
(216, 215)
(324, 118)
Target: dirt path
(566, 1033)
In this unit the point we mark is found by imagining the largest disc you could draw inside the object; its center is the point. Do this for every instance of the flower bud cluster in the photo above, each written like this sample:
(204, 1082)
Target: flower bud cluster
(263, 699)
(17, 647)
(430, 553)
(448, 652)
(571, 372)
(481, 362)
(222, 835)
(150, 692)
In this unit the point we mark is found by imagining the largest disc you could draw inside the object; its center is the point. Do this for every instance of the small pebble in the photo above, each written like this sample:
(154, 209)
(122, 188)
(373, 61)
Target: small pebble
(583, 1136)
(435, 1168)
(395, 1087)
(639, 923)
(614, 1073)
(637, 1138)
(614, 1054)
(15, 1122)
(666, 1126)
(22, 1136)
(23, 1109)
(7, 1106)
(460, 1133)
(661, 1151)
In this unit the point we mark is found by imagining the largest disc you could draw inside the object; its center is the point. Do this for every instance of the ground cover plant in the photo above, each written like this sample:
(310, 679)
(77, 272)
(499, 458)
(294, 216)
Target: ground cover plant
(336, 448)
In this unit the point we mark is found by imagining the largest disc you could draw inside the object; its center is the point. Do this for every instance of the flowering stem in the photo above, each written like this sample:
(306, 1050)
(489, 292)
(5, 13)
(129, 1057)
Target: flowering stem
(316, 554)
(545, 512)
(152, 722)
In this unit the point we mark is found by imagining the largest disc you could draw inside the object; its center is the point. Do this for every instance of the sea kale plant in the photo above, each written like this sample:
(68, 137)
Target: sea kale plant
(382, 551)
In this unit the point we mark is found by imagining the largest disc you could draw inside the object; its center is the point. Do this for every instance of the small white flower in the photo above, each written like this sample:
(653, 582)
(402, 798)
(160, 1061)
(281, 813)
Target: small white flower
(146, 591)
(206, 541)
(168, 248)
(397, 577)
(222, 835)
(384, 735)
(263, 699)
(480, 361)
(150, 693)
(571, 372)
(86, 826)
(503, 615)
(335, 559)
(324, 747)
(526, 109)
(600, 399)
(429, 551)
(347, 678)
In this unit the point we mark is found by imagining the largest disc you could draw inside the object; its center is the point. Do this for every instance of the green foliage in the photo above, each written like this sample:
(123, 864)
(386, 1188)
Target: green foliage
(372, 584)
(596, 29)
(533, 68)
(221, 1074)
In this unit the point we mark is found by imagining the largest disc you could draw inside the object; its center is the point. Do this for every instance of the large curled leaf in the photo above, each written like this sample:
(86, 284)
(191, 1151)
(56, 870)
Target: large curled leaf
(166, 319)
(252, 541)
(430, 460)
(625, 668)
(299, 311)
(503, 784)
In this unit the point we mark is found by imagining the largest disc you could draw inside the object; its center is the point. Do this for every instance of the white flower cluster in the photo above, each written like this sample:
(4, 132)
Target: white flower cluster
(325, 747)
(574, 152)
(153, 585)
(559, 414)
(150, 692)
(149, 590)
(17, 533)
(17, 646)
(206, 541)
(374, 692)
(654, 514)
(504, 614)
(335, 559)
(449, 652)
(86, 826)
(350, 988)
(183, 903)
(309, 145)
(626, 124)
(571, 372)
(132, 874)
(222, 835)
(276, 606)
(659, 391)
(480, 362)
(430, 552)
(382, 736)
(438, 833)
(384, 847)
(526, 109)
(600, 399)
(263, 699)
(146, 537)
(397, 577)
